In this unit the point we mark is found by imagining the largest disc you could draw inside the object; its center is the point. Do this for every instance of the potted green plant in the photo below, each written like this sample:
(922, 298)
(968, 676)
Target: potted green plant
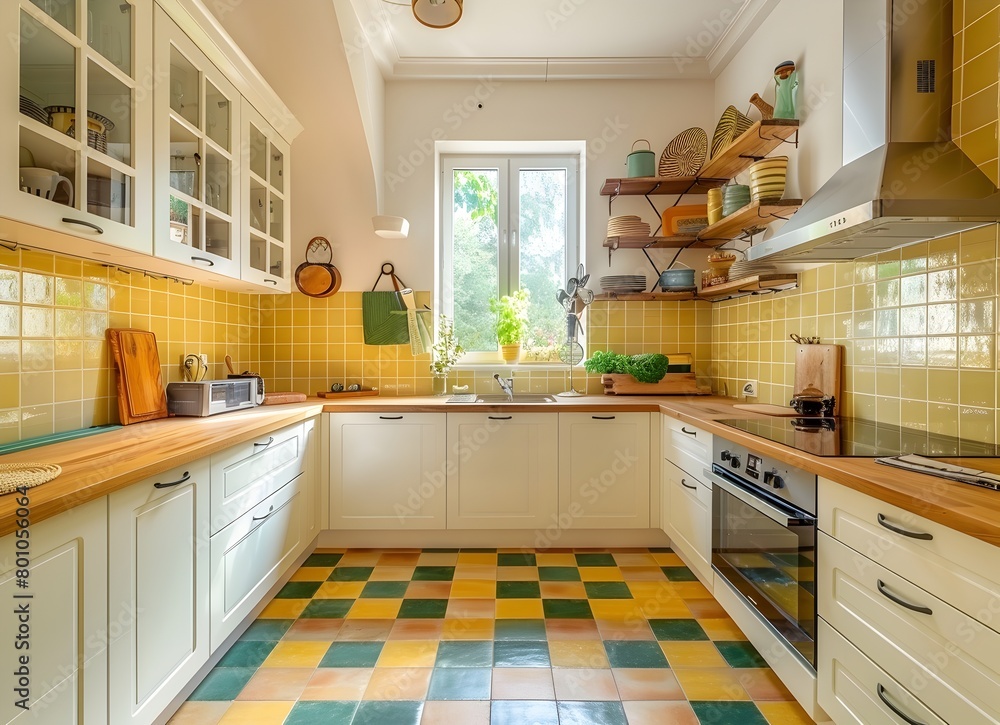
(511, 322)
(447, 351)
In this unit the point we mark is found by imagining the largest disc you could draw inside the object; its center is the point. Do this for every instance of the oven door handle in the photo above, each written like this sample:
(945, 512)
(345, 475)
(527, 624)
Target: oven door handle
(777, 515)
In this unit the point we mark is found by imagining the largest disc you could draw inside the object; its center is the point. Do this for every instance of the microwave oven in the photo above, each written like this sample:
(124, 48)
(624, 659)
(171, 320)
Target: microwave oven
(210, 397)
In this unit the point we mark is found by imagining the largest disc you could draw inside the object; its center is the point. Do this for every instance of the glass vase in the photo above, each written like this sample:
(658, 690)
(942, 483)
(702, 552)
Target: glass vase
(441, 384)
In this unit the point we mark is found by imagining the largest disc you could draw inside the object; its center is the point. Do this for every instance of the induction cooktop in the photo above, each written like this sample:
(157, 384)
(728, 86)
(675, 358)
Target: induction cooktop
(856, 437)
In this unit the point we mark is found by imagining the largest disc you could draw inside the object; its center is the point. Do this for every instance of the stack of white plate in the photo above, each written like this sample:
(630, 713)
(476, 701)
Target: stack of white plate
(627, 226)
(624, 283)
(31, 109)
(744, 268)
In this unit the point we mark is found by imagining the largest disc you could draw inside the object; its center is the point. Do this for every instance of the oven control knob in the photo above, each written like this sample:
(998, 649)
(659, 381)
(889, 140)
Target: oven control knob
(735, 462)
(772, 479)
(725, 455)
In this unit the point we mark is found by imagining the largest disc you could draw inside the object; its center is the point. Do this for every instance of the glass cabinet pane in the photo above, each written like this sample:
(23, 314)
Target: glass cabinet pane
(277, 260)
(218, 237)
(184, 92)
(277, 179)
(217, 116)
(258, 152)
(258, 253)
(185, 223)
(61, 11)
(185, 161)
(109, 193)
(109, 114)
(217, 174)
(47, 76)
(258, 212)
(109, 31)
(277, 226)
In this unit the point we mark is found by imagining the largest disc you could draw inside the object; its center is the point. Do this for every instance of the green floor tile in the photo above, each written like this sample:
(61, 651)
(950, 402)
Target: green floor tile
(351, 574)
(607, 590)
(519, 712)
(461, 683)
(595, 560)
(726, 712)
(298, 590)
(679, 574)
(247, 653)
(321, 713)
(558, 574)
(267, 629)
(327, 609)
(384, 590)
(520, 629)
(516, 560)
(592, 713)
(464, 654)
(567, 609)
(380, 712)
(352, 654)
(518, 590)
(223, 683)
(423, 609)
(521, 654)
(677, 630)
(433, 573)
(323, 560)
(741, 654)
(634, 654)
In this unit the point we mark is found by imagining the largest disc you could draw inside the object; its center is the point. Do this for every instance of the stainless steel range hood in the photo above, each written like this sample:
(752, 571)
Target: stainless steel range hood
(903, 179)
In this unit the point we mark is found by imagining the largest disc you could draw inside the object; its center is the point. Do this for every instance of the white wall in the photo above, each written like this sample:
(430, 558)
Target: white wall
(608, 115)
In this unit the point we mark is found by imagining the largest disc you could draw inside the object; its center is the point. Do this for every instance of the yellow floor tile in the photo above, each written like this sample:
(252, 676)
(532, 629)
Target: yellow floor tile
(711, 684)
(563, 590)
(692, 654)
(256, 713)
(784, 713)
(520, 609)
(654, 608)
(399, 683)
(436, 559)
(663, 559)
(284, 609)
(478, 559)
(555, 559)
(375, 609)
(312, 574)
(475, 571)
(473, 589)
(199, 713)
(408, 653)
(722, 630)
(392, 574)
(691, 590)
(581, 654)
(339, 590)
(296, 654)
(619, 610)
(467, 629)
(517, 573)
(600, 574)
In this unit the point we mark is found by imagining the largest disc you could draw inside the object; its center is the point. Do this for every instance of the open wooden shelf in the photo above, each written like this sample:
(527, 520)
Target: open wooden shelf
(754, 143)
(677, 242)
(646, 297)
(755, 283)
(753, 217)
(660, 186)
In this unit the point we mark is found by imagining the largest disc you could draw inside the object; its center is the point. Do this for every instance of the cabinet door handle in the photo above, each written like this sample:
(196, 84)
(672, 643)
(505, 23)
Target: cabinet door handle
(207, 261)
(603, 417)
(265, 516)
(263, 446)
(903, 532)
(82, 223)
(689, 432)
(685, 484)
(187, 477)
(271, 281)
(899, 713)
(896, 600)
(500, 417)
(390, 417)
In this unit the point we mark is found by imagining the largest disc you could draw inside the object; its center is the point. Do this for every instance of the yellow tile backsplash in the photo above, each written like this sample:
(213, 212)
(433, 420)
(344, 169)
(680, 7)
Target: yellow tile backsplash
(976, 85)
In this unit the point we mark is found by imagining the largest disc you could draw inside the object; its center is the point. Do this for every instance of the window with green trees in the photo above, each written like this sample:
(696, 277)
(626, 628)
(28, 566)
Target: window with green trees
(508, 223)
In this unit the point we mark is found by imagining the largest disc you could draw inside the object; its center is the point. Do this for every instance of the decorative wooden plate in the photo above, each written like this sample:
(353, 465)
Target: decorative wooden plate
(730, 127)
(685, 154)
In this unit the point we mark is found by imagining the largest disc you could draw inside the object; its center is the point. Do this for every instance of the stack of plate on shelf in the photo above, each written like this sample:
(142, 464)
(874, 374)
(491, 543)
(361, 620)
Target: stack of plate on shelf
(624, 283)
(744, 268)
(33, 110)
(627, 226)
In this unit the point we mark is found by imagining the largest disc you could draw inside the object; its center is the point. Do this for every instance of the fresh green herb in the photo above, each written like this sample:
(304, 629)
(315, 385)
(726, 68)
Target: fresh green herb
(648, 368)
(511, 317)
(605, 362)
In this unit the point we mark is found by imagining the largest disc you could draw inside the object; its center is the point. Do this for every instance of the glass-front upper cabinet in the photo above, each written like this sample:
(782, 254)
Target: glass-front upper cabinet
(82, 126)
(197, 152)
(266, 216)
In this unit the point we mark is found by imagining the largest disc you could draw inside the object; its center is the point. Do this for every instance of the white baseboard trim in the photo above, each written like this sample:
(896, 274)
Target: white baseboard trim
(528, 538)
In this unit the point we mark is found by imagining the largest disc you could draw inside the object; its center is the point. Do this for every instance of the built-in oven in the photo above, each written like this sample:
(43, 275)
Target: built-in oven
(764, 541)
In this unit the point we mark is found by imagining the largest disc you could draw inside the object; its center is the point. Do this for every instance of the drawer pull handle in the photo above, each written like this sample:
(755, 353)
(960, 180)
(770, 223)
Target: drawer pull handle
(685, 484)
(899, 713)
(207, 261)
(265, 516)
(187, 477)
(501, 417)
(689, 432)
(390, 417)
(263, 446)
(272, 281)
(903, 532)
(603, 417)
(896, 600)
(82, 223)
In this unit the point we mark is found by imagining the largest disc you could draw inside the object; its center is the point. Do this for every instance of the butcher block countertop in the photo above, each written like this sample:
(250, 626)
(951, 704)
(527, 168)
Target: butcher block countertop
(97, 465)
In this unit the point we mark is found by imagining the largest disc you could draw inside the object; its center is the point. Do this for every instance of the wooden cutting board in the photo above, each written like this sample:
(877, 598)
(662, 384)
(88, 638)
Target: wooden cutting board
(347, 394)
(282, 398)
(141, 395)
(671, 384)
(776, 410)
(819, 366)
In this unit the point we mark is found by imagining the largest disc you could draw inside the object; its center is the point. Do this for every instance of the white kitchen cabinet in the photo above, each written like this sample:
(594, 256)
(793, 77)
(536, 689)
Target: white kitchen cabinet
(387, 470)
(503, 470)
(687, 447)
(95, 64)
(604, 470)
(68, 619)
(160, 578)
(687, 514)
(312, 494)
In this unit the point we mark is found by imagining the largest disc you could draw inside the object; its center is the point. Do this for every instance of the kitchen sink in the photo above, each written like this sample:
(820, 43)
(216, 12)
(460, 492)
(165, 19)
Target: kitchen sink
(519, 399)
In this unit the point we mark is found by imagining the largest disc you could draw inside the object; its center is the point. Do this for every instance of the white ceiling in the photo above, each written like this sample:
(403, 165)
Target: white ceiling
(551, 39)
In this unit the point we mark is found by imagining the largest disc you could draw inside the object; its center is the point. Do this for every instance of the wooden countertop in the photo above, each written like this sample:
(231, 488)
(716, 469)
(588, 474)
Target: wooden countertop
(98, 465)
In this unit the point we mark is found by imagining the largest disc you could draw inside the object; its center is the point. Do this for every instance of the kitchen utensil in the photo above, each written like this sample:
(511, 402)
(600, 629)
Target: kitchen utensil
(675, 279)
(229, 364)
(46, 183)
(562, 297)
(571, 286)
(282, 398)
(317, 277)
(641, 163)
(141, 395)
(812, 401)
(819, 366)
(731, 126)
(586, 296)
(685, 154)
(804, 340)
(688, 219)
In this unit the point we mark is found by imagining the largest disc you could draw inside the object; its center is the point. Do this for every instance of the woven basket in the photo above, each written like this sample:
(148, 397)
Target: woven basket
(25, 475)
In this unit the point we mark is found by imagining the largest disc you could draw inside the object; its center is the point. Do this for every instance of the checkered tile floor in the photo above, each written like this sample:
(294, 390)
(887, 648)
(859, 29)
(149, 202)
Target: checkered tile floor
(486, 636)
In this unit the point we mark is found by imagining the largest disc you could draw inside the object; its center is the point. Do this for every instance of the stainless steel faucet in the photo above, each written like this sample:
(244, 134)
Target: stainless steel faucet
(507, 385)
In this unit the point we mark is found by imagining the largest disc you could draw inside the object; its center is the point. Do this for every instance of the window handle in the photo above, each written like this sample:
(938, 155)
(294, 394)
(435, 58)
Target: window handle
(513, 238)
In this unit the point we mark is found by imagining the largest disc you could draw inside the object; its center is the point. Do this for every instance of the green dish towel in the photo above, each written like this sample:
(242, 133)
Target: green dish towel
(381, 326)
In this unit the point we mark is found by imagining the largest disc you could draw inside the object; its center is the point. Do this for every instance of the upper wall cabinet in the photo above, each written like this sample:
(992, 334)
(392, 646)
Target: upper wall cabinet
(77, 149)
(196, 132)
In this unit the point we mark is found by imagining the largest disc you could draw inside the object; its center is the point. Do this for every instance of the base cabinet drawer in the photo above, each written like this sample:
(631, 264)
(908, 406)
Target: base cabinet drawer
(248, 557)
(853, 690)
(688, 517)
(687, 447)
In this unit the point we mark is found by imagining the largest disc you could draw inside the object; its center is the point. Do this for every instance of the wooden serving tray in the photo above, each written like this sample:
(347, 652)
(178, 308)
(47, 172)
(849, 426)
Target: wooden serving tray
(671, 384)
(348, 394)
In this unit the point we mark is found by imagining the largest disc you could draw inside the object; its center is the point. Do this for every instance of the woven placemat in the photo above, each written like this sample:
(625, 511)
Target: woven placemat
(25, 475)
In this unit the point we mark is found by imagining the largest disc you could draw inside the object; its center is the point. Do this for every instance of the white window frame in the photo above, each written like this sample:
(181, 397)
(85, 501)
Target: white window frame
(509, 157)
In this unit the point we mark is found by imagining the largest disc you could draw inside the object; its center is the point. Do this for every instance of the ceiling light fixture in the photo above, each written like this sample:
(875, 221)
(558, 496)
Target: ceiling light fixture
(390, 227)
(437, 13)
